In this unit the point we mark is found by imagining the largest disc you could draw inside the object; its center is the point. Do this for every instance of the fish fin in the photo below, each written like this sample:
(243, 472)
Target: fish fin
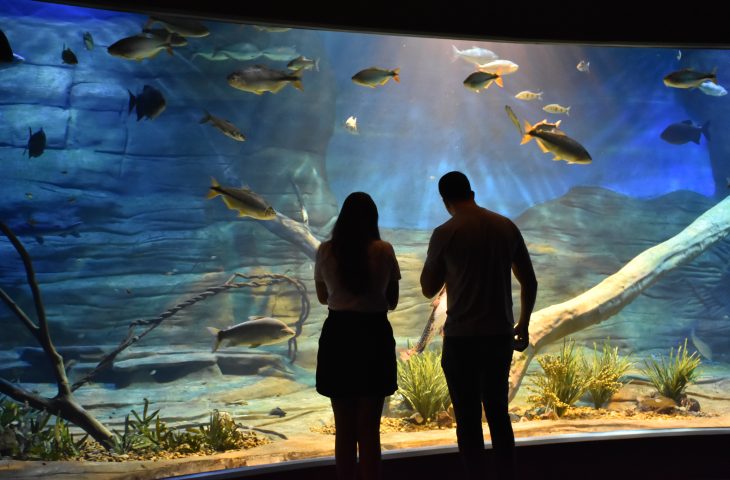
(526, 137)
(254, 345)
(132, 101)
(240, 213)
(557, 124)
(539, 96)
(214, 331)
(499, 82)
(213, 193)
(169, 50)
(298, 85)
(706, 130)
(567, 111)
(316, 65)
(456, 53)
(542, 146)
(255, 317)
(714, 75)
(396, 76)
(206, 118)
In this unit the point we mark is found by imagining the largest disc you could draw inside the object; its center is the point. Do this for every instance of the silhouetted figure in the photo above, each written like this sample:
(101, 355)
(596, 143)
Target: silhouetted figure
(473, 253)
(356, 275)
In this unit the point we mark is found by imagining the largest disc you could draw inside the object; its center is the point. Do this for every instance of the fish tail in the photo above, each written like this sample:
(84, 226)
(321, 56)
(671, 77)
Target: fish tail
(456, 53)
(215, 332)
(298, 85)
(706, 130)
(132, 101)
(150, 21)
(526, 137)
(206, 118)
(396, 73)
(316, 65)
(499, 82)
(567, 111)
(169, 50)
(212, 193)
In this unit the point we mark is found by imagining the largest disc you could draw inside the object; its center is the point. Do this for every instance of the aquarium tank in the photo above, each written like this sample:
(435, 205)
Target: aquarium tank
(166, 183)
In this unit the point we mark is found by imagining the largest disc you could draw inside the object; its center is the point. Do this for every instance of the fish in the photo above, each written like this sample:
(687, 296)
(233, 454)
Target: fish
(176, 40)
(41, 225)
(260, 78)
(684, 132)
(556, 109)
(227, 128)
(704, 349)
(244, 200)
(242, 51)
(482, 80)
(7, 56)
(499, 67)
(374, 76)
(68, 56)
(182, 26)
(139, 47)
(270, 29)
(434, 325)
(712, 89)
(278, 412)
(280, 54)
(474, 55)
(351, 125)
(546, 126)
(528, 95)
(29, 195)
(149, 103)
(679, 54)
(303, 63)
(36, 143)
(253, 333)
(584, 66)
(688, 78)
(88, 41)
(552, 140)
(514, 119)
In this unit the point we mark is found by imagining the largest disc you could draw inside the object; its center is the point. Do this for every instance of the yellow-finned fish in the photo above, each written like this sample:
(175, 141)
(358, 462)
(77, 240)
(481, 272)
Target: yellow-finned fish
(260, 78)
(227, 128)
(688, 78)
(550, 139)
(527, 95)
(244, 200)
(256, 331)
(482, 80)
(556, 109)
(375, 76)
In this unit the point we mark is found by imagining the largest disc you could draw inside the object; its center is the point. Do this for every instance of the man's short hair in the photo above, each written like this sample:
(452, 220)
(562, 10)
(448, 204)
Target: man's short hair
(455, 186)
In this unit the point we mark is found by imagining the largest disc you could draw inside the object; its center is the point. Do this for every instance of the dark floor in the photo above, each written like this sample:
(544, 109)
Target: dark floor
(660, 455)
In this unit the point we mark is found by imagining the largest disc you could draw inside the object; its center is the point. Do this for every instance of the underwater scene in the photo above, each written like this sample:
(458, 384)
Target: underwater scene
(167, 181)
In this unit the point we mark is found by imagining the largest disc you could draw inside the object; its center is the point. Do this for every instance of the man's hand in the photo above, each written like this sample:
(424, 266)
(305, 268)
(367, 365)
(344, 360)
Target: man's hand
(522, 337)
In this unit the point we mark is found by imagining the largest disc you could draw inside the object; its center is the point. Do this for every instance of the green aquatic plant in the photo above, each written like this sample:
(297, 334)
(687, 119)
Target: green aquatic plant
(422, 383)
(562, 381)
(671, 376)
(605, 373)
(130, 440)
(221, 433)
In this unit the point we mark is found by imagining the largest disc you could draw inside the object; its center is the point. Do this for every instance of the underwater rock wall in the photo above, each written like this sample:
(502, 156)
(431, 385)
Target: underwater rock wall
(119, 204)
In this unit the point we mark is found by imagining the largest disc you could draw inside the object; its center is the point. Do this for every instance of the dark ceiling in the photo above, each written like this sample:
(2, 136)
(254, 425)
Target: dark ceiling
(620, 22)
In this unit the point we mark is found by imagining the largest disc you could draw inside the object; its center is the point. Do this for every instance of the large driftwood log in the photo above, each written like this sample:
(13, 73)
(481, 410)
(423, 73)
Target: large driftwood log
(618, 290)
(63, 404)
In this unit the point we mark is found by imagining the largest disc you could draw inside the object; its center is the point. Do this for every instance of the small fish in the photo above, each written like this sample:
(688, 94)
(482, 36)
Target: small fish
(139, 47)
(260, 78)
(29, 195)
(255, 332)
(64, 172)
(270, 29)
(351, 125)
(129, 292)
(704, 349)
(712, 89)
(514, 119)
(88, 41)
(175, 40)
(684, 132)
(556, 109)
(278, 412)
(679, 54)
(584, 66)
(375, 76)
(280, 54)
(6, 52)
(474, 55)
(149, 103)
(181, 26)
(303, 63)
(68, 56)
(528, 95)
(244, 200)
(482, 80)
(688, 78)
(499, 67)
(71, 199)
(552, 140)
(36, 143)
(153, 372)
(227, 128)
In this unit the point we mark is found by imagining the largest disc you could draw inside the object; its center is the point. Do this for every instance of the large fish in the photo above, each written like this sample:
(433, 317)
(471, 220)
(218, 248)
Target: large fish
(68, 56)
(260, 78)
(712, 89)
(704, 349)
(181, 26)
(139, 47)
(280, 54)
(375, 76)
(474, 55)
(499, 67)
(227, 128)
(253, 333)
(241, 51)
(482, 80)
(435, 324)
(149, 103)
(36, 143)
(175, 39)
(684, 132)
(244, 200)
(688, 78)
(303, 63)
(550, 139)
(6, 52)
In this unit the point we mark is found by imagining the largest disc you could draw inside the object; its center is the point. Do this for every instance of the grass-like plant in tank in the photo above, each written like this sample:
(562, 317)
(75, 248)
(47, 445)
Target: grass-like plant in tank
(422, 383)
(562, 381)
(671, 376)
(605, 371)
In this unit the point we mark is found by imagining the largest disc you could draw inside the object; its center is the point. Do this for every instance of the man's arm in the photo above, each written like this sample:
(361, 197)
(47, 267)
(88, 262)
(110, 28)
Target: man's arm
(433, 275)
(322, 294)
(525, 274)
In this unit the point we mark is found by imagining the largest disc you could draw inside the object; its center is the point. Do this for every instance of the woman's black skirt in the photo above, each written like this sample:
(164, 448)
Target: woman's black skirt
(356, 356)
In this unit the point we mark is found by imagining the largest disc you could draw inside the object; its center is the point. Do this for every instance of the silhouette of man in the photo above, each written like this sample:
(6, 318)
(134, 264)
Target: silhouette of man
(472, 254)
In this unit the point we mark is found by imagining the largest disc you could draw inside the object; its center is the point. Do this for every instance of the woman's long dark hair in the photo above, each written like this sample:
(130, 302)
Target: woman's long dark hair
(356, 227)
